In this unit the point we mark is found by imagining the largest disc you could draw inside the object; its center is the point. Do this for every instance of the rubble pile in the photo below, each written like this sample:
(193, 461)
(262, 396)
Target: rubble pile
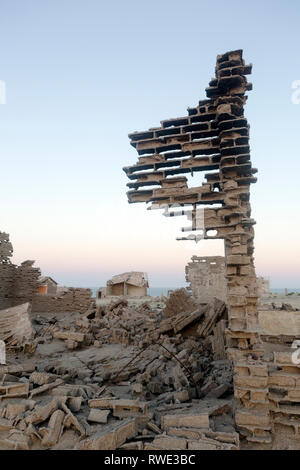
(179, 301)
(15, 325)
(119, 377)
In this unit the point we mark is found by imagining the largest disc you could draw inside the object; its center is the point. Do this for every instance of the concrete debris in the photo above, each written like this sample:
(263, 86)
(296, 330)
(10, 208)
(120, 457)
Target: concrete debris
(14, 391)
(2, 353)
(133, 392)
(130, 284)
(129, 408)
(41, 378)
(199, 371)
(179, 301)
(206, 275)
(45, 388)
(215, 311)
(111, 438)
(54, 430)
(71, 420)
(15, 325)
(78, 337)
(98, 416)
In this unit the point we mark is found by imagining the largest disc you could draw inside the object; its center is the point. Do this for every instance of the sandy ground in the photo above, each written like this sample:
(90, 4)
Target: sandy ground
(153, 302)
(279, 299)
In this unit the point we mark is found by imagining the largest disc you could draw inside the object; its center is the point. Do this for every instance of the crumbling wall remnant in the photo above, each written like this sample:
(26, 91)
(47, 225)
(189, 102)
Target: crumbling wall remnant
(263, 286)
(206, 275)
(18, 284)
(214, 136)
(75, 299)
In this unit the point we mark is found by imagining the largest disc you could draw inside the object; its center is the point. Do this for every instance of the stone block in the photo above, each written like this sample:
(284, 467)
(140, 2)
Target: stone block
(252, 419)
(129, 408)
(54, 429)
(170, 443)
(200, 420)
(250, 382)
(98, 416)
(110, 438)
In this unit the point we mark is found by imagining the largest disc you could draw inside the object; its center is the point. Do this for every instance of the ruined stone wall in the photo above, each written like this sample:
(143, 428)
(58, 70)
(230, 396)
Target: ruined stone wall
(7, 270)
(51, 287)
(270, 393)
(7, 274)
(18, 284)
(25, 283)
(215, 136)
(136, 291)
(6, 249)
(206, 276)
(263, 286)
(115, 289)
(73, 300)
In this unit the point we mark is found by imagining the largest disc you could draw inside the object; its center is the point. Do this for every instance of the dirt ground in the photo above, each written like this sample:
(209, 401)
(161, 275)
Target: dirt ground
(292, 299)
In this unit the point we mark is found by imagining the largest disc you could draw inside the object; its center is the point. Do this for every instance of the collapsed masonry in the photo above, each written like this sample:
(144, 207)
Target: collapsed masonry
(120, 377)
(135, 377)
(215, 136)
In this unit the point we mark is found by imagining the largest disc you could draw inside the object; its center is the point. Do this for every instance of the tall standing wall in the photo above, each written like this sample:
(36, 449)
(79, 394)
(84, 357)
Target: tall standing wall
(214, 136)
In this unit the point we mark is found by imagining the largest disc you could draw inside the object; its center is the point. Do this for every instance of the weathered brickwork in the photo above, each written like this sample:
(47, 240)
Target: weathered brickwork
(72, 300)
(215, 136)
(206, 275)
(18, 284)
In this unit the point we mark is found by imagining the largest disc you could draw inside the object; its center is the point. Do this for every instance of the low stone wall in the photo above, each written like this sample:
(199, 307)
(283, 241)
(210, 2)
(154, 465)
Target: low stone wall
(279, 322)
(73, 300)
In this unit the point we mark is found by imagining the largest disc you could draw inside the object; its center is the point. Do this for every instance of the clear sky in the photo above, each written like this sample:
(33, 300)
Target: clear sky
(81, 74)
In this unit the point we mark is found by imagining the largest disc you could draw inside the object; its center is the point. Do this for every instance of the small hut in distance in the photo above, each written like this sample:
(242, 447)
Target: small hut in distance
(47, 285)
(130, 284)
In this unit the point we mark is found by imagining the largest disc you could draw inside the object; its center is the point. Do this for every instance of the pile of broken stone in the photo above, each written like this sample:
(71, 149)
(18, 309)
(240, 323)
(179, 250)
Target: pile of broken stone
(120, 377)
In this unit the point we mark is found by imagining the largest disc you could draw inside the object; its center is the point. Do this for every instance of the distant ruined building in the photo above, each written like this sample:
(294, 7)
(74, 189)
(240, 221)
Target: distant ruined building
(130, 284)
(206, 275)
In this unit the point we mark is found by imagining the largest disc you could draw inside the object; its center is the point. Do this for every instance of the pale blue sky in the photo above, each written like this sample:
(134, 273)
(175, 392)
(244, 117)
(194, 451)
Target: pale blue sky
(81, 75)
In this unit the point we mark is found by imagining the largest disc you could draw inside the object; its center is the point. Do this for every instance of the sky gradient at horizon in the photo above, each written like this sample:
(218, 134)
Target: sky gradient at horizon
(80, 75)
